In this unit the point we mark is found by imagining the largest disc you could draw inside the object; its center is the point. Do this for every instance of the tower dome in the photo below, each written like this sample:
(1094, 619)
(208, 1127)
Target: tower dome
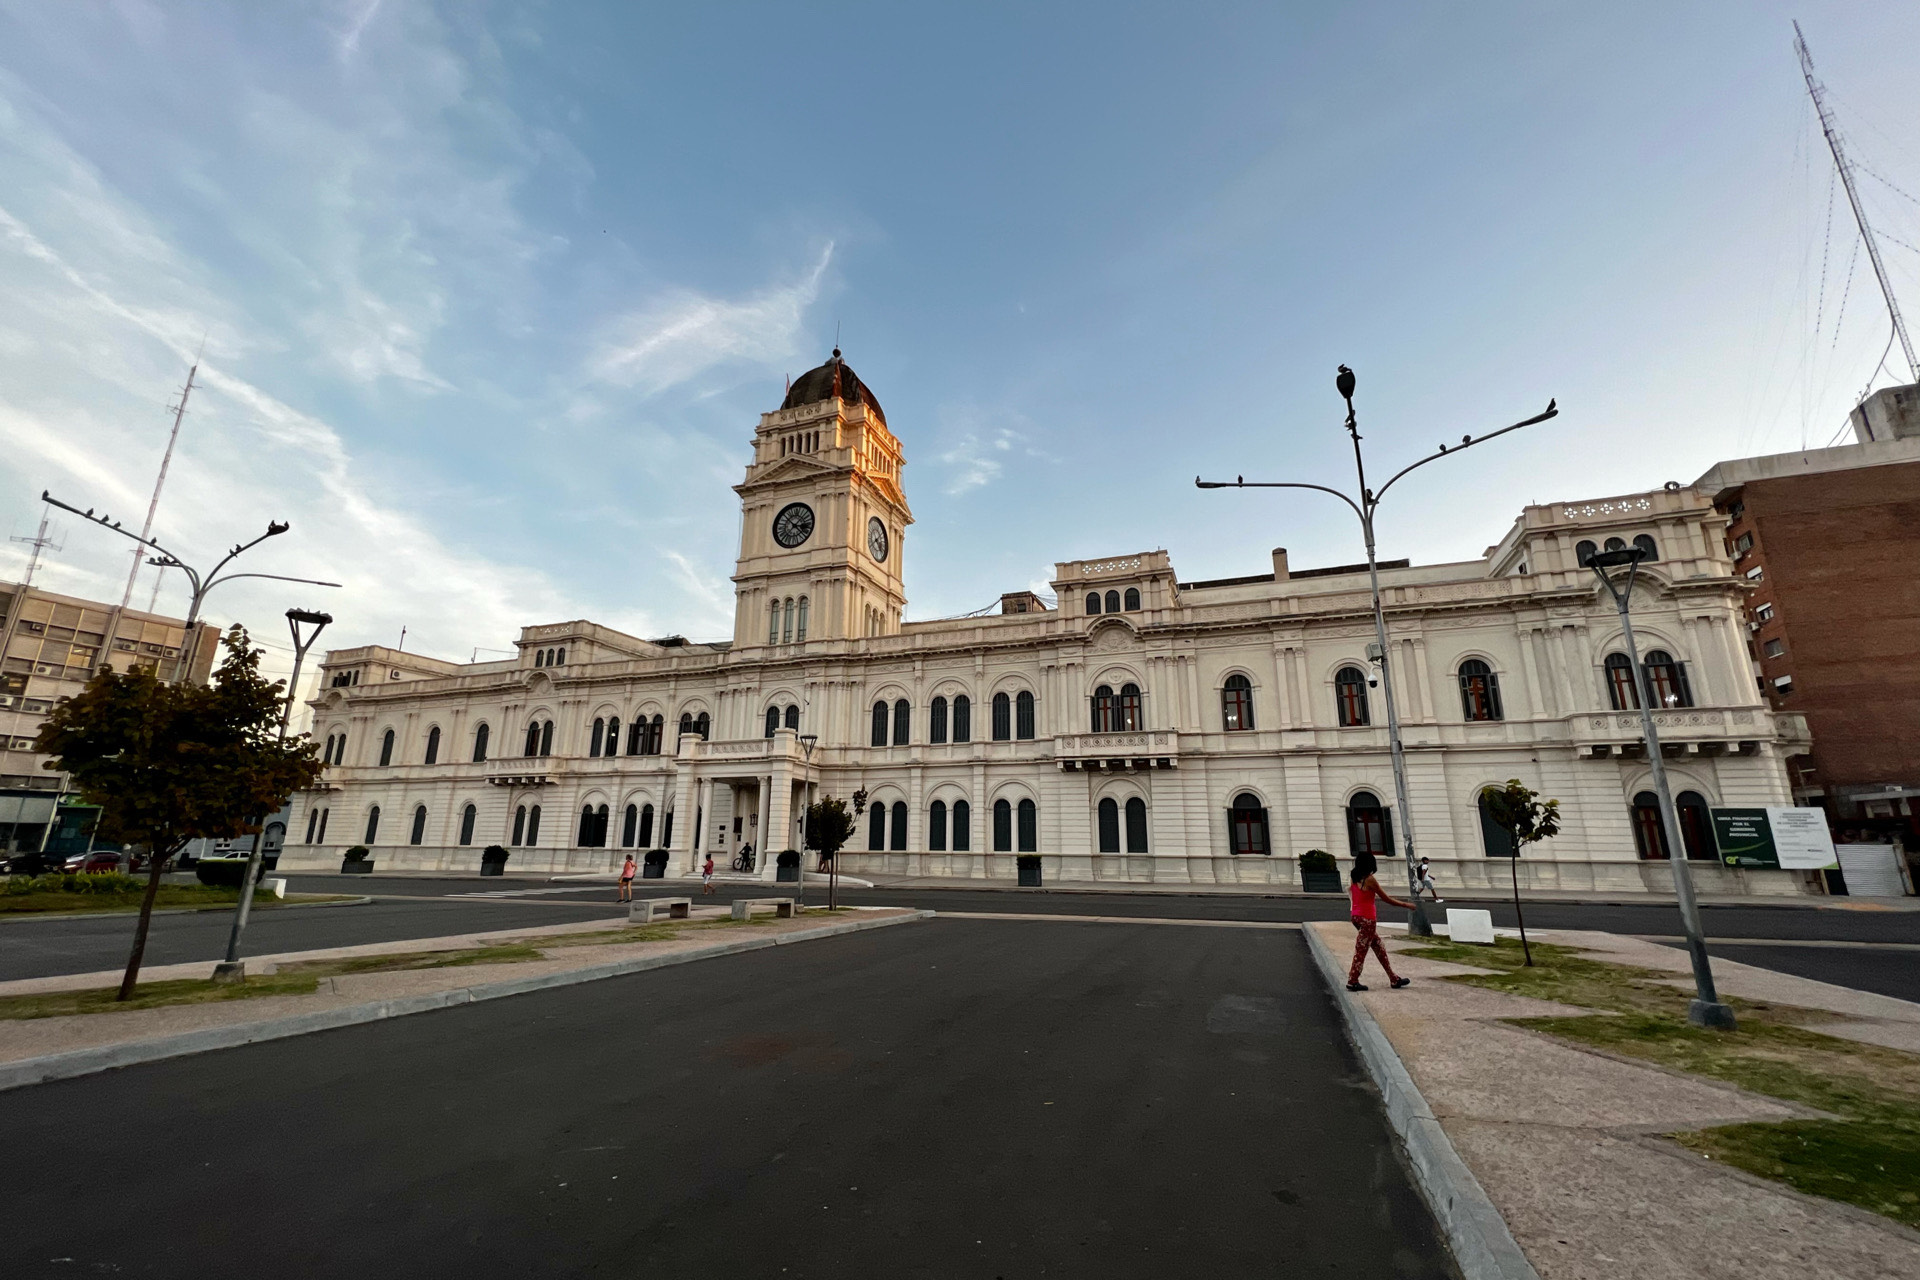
(834, 378)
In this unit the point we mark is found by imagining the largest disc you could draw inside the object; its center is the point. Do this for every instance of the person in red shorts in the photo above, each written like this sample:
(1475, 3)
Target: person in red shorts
(1363, 890)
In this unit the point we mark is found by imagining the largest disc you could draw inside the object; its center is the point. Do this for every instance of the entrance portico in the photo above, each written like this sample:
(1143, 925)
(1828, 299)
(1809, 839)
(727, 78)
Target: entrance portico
(760, 777)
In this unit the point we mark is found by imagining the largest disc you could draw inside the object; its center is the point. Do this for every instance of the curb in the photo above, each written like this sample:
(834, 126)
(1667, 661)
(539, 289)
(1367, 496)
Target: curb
(82, 1062)
(1482, 1245)
(24, 917)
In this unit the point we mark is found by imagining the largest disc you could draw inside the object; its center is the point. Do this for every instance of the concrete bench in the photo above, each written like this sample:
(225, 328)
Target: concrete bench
(1469, 925)
(647, 910)
(782, 908)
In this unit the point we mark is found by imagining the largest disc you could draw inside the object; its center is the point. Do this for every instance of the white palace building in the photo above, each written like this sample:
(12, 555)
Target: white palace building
(1145, 729)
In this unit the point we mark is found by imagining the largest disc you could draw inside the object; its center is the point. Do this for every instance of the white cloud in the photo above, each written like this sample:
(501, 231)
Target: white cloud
(977, 458)
(686, 333)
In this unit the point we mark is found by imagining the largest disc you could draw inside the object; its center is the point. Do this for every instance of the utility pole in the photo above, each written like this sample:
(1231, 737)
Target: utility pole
(1818, 93)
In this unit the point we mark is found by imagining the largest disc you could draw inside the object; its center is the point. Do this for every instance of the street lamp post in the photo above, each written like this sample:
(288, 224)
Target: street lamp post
(1369, 502)
(233, 969)
(1707, 1009)
(807, 743)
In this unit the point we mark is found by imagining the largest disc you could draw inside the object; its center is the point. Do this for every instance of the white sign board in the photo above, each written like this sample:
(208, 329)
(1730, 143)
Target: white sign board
(1800, 837)
(1466, 925)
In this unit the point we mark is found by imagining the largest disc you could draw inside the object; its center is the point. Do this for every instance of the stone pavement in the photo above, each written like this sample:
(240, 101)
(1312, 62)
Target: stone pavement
(1565, 1143)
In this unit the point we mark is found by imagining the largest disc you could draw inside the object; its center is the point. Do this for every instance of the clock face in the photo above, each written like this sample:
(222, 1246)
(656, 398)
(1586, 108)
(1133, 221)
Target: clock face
(794, 524)
(877, 539)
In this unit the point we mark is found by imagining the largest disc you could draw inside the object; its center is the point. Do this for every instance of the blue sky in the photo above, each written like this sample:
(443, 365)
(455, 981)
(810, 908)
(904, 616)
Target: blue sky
(492, 294)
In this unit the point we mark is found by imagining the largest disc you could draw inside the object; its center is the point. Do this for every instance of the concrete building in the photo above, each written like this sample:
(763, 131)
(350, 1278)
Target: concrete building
(52, 645)
(1830, 541)
(1142, 728)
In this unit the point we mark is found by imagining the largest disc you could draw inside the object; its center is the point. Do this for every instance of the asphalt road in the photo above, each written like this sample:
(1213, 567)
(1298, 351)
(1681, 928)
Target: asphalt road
(1886, 971)
(953, 1098)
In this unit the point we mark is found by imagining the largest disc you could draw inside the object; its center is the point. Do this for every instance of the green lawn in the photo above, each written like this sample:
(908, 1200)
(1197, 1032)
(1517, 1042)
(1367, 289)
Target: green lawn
(1868, 1155)
(23, 895)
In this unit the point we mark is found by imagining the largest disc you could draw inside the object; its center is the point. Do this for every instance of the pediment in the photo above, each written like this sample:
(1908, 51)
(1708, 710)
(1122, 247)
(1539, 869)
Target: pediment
(787, 470)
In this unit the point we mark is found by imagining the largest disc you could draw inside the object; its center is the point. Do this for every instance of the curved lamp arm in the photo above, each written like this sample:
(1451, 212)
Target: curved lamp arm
(1198, 483)
(1468, 442)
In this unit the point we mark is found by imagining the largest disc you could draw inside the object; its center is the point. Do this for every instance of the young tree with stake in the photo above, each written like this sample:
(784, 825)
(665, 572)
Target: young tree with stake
(1519, 811)
(828, 827)
(169, 763)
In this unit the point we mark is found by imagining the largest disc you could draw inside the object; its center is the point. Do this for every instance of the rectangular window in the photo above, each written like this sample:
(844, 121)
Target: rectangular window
(1757, 574)
(1763, 613)
(1783, 684)
(1774, 648)
(1743, 544)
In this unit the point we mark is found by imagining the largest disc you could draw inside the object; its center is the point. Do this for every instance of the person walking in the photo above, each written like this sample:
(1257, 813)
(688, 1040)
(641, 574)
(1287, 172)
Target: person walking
(626, 880)
(1363, 890)
(706, 875)
(1424, 880)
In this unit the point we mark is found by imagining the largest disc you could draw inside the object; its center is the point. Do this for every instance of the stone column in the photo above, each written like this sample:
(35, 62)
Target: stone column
(762, 840)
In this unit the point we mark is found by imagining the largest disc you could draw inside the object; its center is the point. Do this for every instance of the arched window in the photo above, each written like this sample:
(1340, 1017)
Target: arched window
(937, 826)
(786, 622)
(593, 742)
(613, 736)
(1127, 712)
(533, 825)
(800, 627)
(467, 817)
(773, 623)
(1112, 601)
(686, 727)
(1132, 599)
(1479, 691)
(1236, 703)
(657, 735)
(1002, 827)
(1622, 692)
(373, 824)
(1495, 840)
(519, 825)
(586, 826)
(1093, 602)
(433, 745)
(637, 736)
(1029, 826)
(1002, 717)
(629, 826)
(962, 827)
(899, 826)
(1103, 709)
(877, 829)
(322, 837)
(1350, 697)
(1247, 821)
(646, 826)
(902, 724)
(1648, 548)
(560, 656)
(1649, 833)
(1615, 544)
(533, 739)
(962, 718)
(937, 721)
(879, 735)
(1136, 825)
(313, 816)
(539, 657)
(1584, 551)
(773, 720)
(1109, 825)
(793, 716)
(419, 829)
(1696, 826)
(1023, 716)
(546, 738)
(666, 828)
(326, 753)
(1667, 681)
(480, 743)
(386, 747)
(703, 725)
(1368, 825)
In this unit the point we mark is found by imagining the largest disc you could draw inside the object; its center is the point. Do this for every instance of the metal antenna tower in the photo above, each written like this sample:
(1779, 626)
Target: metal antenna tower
(1818, 92)
(166, 460)
(38, 542)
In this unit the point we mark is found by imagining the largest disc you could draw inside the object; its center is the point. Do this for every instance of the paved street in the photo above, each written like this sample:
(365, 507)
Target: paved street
(955, 1098)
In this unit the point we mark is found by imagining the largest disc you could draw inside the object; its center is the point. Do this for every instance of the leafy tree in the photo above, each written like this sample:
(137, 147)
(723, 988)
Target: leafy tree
(169, 763)
(828, 827)
(1519, 811)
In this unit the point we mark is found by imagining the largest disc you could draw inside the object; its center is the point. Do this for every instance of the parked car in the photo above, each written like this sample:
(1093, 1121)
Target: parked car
(104, 860)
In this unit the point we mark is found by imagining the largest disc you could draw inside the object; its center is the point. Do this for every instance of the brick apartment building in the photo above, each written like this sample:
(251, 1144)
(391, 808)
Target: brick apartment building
(1830, 539)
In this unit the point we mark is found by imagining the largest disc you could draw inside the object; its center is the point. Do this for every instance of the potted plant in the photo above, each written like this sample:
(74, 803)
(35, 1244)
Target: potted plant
(654, 866)
(787, 866)
(493, 860)
(1319, 873)
(358, 862)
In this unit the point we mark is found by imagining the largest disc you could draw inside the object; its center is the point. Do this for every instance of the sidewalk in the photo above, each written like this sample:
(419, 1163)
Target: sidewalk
(37, 1049)
(1564, 1140)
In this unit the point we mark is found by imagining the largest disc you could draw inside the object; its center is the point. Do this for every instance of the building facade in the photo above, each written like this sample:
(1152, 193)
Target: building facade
(1142, 728)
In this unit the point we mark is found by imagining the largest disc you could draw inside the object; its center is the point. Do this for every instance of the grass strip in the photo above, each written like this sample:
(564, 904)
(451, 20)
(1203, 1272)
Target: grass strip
(1867, 1155)
(169, 895)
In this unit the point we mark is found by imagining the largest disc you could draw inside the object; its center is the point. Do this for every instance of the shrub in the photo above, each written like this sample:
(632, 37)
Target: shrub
(358, 853)
(73, 882)
(493, 853)
(656, 858)
(1318, 860)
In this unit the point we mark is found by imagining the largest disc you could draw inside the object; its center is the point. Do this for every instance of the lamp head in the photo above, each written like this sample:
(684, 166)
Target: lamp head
(276, 528)
(1344, 383)
(308, 615)
(1614, 559)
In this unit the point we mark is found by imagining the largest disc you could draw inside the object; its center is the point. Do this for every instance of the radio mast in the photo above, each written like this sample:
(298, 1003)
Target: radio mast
(1818, 93)
(166, 460)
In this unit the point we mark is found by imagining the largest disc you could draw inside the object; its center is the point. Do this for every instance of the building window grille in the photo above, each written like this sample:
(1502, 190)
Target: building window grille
(1236, 704)
(1109, 825)
(899, 843)
(1479, 691)
(962, 718)
(937, 720)
(386, 747)
(1029, 826)
(962, 815)
(879, 735)
(1136, 825)
(1002, 827)
(1093, 602)
(1023, 716)
(1002, 717)
(937, 826)
(786, 624)
(1132, 601)
(793, 716)
(629, 826)
(546, 738)
(773, 720)
(593, 742)
(533, 739)
(1112, 601)
(902, 724)
(480, 735)
(433, 745)
(800, 627)
(773, 623)
(877, 829)
(1350, 697)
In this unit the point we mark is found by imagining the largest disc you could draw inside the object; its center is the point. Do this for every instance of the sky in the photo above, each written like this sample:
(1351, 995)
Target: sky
(487, 298)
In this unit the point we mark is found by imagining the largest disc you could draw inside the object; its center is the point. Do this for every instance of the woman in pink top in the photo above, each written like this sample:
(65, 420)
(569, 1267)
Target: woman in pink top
(1362, 891)
(626, 881)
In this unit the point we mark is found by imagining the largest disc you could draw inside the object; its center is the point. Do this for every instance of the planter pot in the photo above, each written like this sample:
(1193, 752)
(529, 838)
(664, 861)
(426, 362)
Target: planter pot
(361, 867)
(654, 871)
(493, 868)
(1029, 869)
(787, 866)
(1320, 881)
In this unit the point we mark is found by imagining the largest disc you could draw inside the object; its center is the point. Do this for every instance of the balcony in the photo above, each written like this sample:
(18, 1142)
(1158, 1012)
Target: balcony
(1118, 752)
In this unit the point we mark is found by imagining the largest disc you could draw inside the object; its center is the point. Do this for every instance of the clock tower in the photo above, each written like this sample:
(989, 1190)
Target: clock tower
(823, 518)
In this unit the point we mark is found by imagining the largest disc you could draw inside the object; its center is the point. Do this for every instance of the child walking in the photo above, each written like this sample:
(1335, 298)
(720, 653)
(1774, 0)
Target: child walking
(1362, 892)
(706, 875)
(626, 881)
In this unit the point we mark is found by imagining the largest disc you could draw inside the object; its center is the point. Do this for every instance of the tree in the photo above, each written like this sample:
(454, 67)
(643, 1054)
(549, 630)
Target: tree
(169, 763)
(828, 827)
(1519, 811)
